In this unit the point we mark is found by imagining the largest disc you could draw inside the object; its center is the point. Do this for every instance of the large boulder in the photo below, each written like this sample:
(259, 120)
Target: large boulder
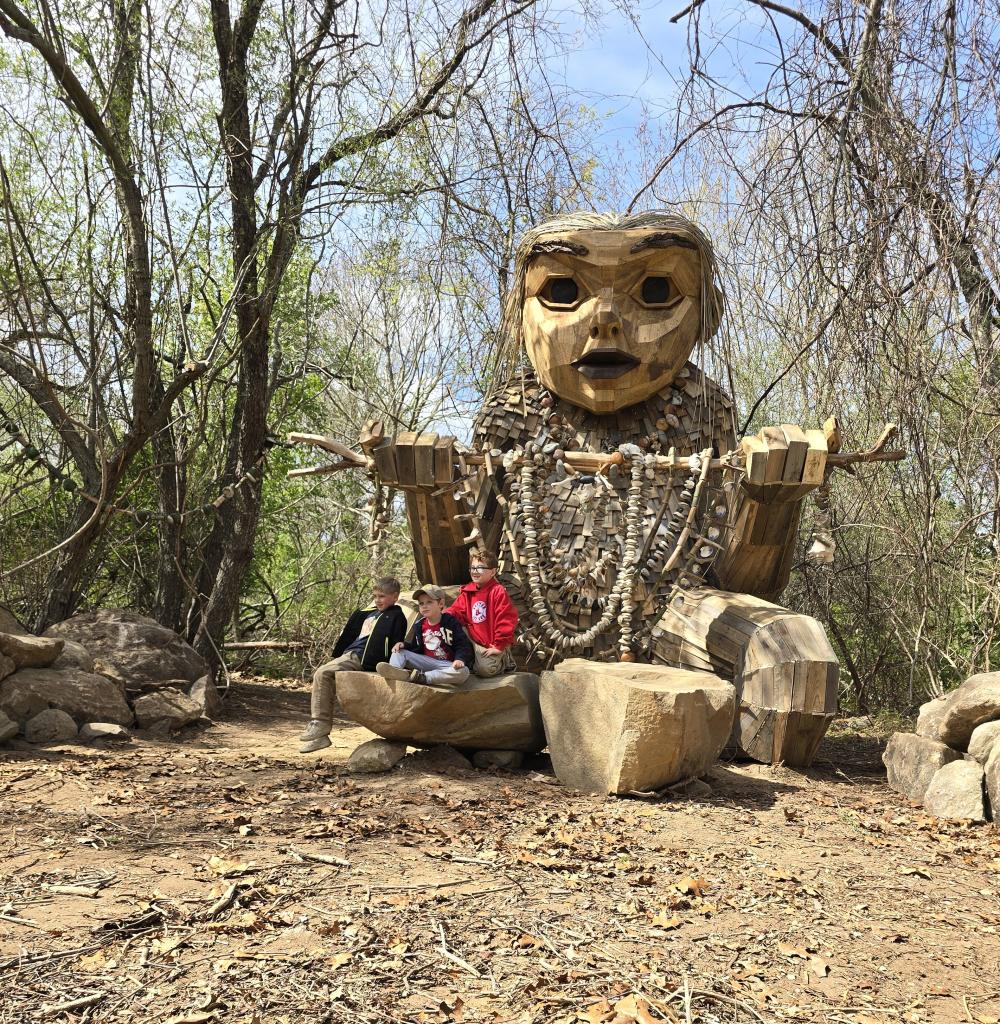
(7, 666)
(976, 701)
(501, 713)
(9, 624)
(28, 651)
(956, 791)
(911, 762)
(984, 738)
(84, 696)
(73, 655)
(929, 718)
(167, 708)
(145, 653)
(620, 728)
(993, 781)
(50, 726)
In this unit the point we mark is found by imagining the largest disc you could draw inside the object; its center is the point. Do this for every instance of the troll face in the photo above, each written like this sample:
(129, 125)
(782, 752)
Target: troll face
(610, 315)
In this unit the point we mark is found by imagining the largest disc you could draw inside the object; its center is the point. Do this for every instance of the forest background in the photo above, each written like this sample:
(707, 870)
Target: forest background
(221, 224)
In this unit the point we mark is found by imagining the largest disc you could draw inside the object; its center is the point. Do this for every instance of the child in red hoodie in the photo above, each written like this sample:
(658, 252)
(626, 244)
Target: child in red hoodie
(488, 616)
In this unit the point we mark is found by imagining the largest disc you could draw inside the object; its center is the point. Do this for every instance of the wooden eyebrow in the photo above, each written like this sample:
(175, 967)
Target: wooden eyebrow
(662, 240)
(558, 245)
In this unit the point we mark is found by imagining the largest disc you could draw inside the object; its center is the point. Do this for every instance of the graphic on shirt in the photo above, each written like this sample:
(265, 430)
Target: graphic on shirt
(434, 643)
(479, 611)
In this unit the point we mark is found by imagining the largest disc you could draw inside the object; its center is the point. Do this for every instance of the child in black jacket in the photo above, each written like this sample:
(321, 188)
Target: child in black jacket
(368, 638)
(438, 652)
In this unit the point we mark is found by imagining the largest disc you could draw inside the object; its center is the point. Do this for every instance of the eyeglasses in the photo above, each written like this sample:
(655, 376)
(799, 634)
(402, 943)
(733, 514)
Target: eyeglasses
(479, 568)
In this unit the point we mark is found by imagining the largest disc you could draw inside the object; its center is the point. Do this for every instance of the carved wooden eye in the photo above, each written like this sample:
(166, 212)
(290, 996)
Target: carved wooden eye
(656, 291)
(560, 291)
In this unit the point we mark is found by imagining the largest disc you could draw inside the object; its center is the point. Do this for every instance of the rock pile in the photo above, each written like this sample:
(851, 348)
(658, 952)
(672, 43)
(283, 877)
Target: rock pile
(951, 764)
(103, 671)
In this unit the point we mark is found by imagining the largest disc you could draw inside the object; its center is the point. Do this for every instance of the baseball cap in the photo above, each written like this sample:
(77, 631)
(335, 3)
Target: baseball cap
(434, 593)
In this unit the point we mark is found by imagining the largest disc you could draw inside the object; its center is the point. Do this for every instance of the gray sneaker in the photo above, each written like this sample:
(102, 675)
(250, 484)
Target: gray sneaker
(387, 671)
(316, 728)
(317, 744)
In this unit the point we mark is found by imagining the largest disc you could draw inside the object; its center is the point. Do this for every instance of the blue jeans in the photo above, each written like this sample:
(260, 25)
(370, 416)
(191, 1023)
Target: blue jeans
(437, 672)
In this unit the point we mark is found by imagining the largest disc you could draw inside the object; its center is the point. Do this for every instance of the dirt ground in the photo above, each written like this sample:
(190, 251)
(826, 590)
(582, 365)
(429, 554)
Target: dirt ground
(225, 877)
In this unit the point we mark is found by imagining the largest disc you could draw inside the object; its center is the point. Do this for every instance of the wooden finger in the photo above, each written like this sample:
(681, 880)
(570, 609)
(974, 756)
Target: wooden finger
(777, 450)
(815, 465)
(798, 450)
(423, 459)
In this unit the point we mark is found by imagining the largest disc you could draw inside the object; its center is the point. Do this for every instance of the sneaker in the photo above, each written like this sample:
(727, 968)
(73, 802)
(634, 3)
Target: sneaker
(317, 744)
(387, 671)
(315, 729)
(418, 677)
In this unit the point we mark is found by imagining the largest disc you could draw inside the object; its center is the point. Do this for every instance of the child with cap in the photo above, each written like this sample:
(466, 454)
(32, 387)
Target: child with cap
(438, 653)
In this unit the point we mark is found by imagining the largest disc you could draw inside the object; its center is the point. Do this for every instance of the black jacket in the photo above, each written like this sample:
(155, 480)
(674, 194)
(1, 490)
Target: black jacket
(452, 634)
(389, 629)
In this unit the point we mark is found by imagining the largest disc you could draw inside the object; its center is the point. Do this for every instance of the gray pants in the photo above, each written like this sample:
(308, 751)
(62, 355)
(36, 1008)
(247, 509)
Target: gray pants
(492, 664)
(437, 672)
(324, 688)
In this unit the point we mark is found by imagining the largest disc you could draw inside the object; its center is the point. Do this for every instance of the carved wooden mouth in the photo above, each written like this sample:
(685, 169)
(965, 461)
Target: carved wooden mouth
(605, 363)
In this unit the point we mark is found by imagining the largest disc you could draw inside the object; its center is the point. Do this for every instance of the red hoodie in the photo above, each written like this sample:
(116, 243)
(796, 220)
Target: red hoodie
(487, 614)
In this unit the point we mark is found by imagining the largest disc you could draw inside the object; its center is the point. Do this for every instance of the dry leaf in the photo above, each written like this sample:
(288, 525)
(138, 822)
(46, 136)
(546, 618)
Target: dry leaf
(227, 868)
(664, 919)
(786, 949)
(918, 872)
(818, 966)
(693, 886)
(596, 1012)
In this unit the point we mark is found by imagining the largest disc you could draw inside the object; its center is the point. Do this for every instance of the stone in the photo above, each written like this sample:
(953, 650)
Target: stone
(104, 731)
(984, 738)
(206, 693)
(73, 655)
(929, 718)
(9, 624)
(911, 762)
(976, 701)
(500, 713)
(139, 648)
(992, 773)
(28, 651)
(440, 758)
(509, 759)
(50, 726)
(7, 666)
(696, 789)
(623, 727)
(85, 696)
(956, 791)
(376, 756)
(171, 707)
(8, 729)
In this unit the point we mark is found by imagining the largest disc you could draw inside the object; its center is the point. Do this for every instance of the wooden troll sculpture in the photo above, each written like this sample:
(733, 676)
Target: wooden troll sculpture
(607, 476)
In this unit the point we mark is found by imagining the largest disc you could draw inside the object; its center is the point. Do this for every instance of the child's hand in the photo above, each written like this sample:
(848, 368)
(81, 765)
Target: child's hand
(397, 648)
(458, 663)
(491, 651)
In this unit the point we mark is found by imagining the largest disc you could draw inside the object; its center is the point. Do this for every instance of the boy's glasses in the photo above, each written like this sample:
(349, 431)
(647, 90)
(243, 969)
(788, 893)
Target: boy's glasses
(479, 568)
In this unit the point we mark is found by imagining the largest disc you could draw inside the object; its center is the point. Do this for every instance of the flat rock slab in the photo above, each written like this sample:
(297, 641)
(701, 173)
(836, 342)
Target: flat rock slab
(976, 701)
(956, 792)
(501, 713)
(30, 651)
(139, 648)
(620, 728)
(84, 696)
(911, 762)
(108, 731)
(50, 726)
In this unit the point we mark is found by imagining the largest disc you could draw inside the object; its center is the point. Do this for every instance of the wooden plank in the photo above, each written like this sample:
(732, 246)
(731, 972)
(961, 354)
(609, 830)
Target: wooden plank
(384, 455)
(406, 473)
(798, 449)
(444, 471)
(423, 459)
